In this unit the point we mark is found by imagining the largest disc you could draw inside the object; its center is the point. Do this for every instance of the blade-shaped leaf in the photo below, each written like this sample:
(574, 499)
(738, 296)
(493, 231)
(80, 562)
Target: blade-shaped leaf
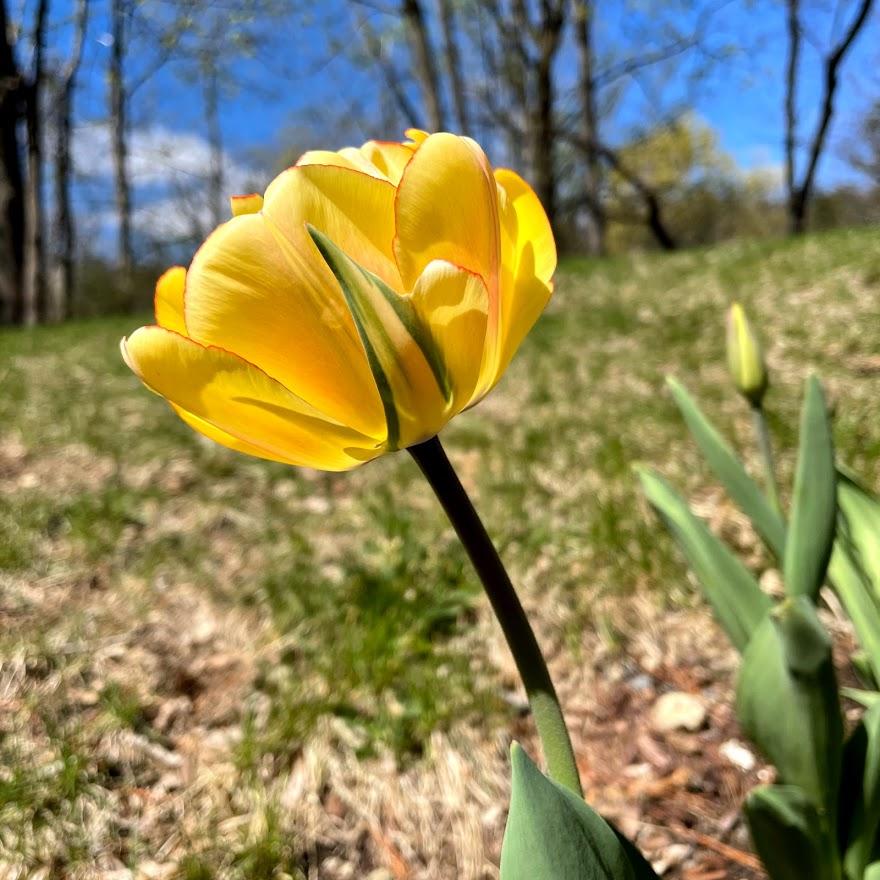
(862, 665)
(868, 699)
(814, 505)
(736, 598)
(787, 700)
(552, 834)
(642, 869)
(859, 800)
(788, 834)
(730, 471)
(859, 526)
(852, 585)
(408, 368)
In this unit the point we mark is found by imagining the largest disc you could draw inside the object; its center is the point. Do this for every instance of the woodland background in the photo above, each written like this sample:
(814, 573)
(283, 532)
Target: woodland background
(219, 668)
(126, 124)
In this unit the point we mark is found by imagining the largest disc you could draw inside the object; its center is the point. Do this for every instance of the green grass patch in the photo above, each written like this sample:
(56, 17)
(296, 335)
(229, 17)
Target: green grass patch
(361, 603)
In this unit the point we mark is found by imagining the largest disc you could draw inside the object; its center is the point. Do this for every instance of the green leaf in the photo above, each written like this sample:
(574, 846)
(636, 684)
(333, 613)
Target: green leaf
(388, 326)
(868, 699)
(859, 526)
(859, 800)
(862, 665)
(735, 596)
(642, 869)
(814, 505)
(552, 834)
(787, 700)
(855, 564)
(872, 872)
(852, 585)
(788, 834)
(730, 471)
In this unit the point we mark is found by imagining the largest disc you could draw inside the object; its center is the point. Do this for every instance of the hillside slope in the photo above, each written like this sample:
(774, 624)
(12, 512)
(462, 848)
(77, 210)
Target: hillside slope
(213, 665)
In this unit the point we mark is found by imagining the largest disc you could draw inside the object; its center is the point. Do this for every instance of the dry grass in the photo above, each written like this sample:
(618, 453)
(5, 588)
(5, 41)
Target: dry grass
(214, 667)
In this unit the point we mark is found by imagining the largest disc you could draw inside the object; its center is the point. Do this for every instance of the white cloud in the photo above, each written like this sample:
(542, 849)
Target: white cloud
(155, 155)
(168, 172)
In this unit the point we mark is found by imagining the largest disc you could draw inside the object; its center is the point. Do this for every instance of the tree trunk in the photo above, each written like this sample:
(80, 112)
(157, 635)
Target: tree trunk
(519, 66)
(118, 100)
(65, 231)
(794, 48)
(543, 121)
(215, 140)
(504, 93)
(11, 181)
(583, 26)
(648, 195)
(801, 193)
(655, 223)
(34, 282)
(423, 59)
(452, 58)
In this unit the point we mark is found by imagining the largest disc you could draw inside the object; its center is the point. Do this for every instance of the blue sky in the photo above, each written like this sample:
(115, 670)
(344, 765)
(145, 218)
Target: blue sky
(299, 88)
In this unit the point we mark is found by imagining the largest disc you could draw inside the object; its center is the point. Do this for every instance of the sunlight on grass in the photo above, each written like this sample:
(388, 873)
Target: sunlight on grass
(146, 572)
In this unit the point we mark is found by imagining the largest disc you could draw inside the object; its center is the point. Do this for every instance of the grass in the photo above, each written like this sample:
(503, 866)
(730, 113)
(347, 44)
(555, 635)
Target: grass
(145, 572)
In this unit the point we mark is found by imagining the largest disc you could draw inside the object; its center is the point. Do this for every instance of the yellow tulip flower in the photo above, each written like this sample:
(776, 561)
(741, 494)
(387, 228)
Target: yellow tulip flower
(367, 298)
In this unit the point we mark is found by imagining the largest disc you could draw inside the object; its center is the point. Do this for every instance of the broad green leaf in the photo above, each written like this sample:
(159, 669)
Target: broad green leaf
(814, 505)
(642, 869)
(852, 585)
(872, 872)
(735, 596)
(552, 834)
(862, 664)
(859, 526)
(788, 834)
(787, 700)
(859, 817)
(730, 471)
(868, 699)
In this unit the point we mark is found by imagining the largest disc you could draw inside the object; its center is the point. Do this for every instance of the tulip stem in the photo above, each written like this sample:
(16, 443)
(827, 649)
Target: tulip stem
(558, 752)
(762, 433)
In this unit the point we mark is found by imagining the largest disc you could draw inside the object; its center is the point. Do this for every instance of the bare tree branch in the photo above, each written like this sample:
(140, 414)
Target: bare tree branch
(393, 81)
(800, 194)
(423, 59)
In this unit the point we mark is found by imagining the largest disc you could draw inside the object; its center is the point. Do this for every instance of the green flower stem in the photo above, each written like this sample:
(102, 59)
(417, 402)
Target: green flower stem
(762, 433)
(431, 458)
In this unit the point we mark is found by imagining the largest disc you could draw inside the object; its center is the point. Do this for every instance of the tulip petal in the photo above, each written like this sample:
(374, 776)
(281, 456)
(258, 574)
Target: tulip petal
(528, 261)
(168, 299)
(246, 204)
(240, 400)
(454, 305)
(353, 209)
(349, 158)
(417, 135)
(522, 310)
(221, 437)
(447, 209)
(389, 157)
(406, 365)
(527, 224)
(250, 291)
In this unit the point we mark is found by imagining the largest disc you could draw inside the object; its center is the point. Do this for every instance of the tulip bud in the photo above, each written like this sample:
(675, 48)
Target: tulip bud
(744, 357)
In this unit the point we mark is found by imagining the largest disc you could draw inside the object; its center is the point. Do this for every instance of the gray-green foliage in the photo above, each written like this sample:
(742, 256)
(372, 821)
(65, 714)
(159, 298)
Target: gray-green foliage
(822, 819)
(552, 834)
